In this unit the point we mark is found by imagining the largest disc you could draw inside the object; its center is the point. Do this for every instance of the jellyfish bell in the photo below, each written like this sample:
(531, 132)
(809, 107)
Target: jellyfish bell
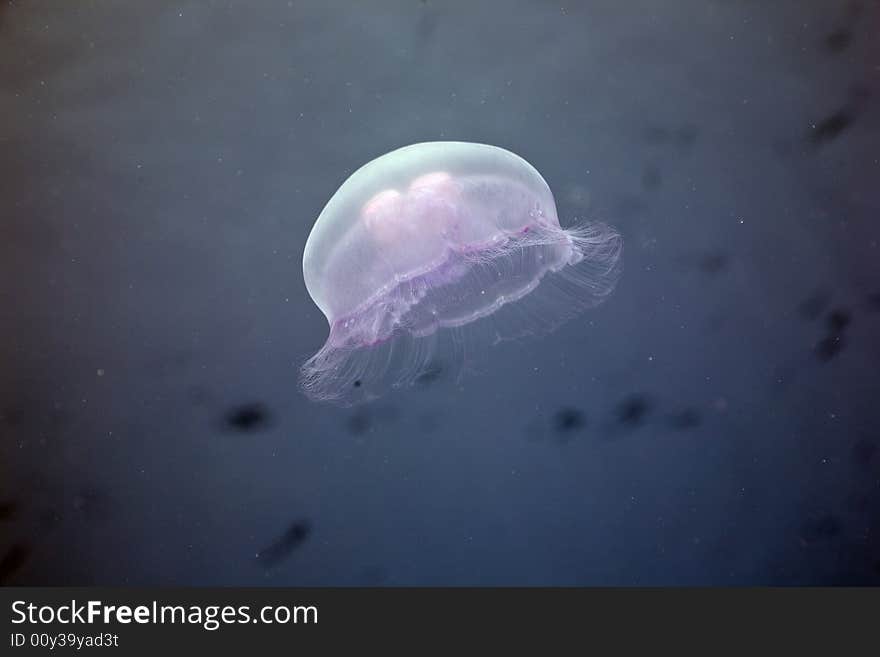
(442, 242)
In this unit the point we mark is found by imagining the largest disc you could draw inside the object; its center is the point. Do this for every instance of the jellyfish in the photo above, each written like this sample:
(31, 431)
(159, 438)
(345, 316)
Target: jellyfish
(442, 246)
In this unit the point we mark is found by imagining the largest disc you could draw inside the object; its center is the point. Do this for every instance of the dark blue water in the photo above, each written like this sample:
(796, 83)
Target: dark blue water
(714, 422)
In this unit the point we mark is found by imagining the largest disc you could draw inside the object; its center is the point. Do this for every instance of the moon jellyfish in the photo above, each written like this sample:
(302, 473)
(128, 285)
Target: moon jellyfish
(436, 243)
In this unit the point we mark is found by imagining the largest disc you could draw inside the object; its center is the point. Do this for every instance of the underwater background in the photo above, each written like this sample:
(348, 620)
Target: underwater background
(715, 421)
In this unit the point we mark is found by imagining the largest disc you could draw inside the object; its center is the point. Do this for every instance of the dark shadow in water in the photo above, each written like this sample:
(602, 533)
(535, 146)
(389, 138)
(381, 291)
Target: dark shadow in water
(426, 25)
(432, 373)
(248, 418)
(284, 545)
(568, 420)
(633, 411)
(832, 126)
(562, 427)
(834, 341)
(829, 347)
(838, 40)
(838, 319)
